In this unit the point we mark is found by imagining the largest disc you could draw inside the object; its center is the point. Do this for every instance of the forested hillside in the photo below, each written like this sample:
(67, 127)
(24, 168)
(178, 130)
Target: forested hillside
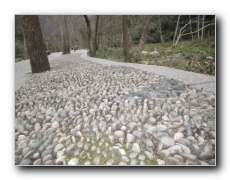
(180, 41)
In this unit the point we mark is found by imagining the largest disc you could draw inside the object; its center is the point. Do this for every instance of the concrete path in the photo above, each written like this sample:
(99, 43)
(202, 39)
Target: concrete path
(208, 83)
(22, 70)
(197, 80)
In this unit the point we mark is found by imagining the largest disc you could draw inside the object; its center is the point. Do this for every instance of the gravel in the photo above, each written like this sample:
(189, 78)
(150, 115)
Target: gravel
(85, 113)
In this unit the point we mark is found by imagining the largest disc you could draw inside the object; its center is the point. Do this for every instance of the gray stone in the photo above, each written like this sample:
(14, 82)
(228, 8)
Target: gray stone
(152, 120)
(122, 163)
(80, 144)
(184, 148)
(164, 153)
(189, 131)
(208, 148)
(122, 152)
(179, 158)
(149, 143)
(50, 162)
(184, 141)
(86, 147)
(165, 118)
(93, 148)
(34, 144)
(47, 158)
(212, 162)
(141, 157)
(137, 134)
(189, 156)
(167, 142)
(45, 144)
(136, 147)
(109, 162)
(28, 127)
(78, 134)
(18, 152)
(21, 137)
(172, 161)
(37, 127)
(132, 125)
(205, 156)
(25, 162)
(25, 151)
(195, 149)
(37, 162)
(22, 144)
(142, 163)
(176, 149)
(87, 163)
(36, 155)
(151, 129)
(149, 155)
(177, 136)
(70, 147)
(130, 138)
(212, 135)
(60, 154)
(162, 134)
(125, 159)
(133, 162)
(160, 162)
(46, 152)
(21, 128)
(73, 162)
(51, 146)
(96, 161)
(98, 151)
(123, 128)
(55, 125)
(58, 147)
(29, 154)
(189, 162)
(17, 159)
(61, 160)
(133, 155)
(119, 134)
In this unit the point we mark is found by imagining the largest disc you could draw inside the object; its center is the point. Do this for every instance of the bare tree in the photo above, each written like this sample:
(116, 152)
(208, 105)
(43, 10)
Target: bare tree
(191, 28)
(35, 44)
(142, 39)
(175, 33)
(160, 31)
(90, 42)
(65, 35)
(183, 29)
(198, 27)
(202, 31)
(125, 32)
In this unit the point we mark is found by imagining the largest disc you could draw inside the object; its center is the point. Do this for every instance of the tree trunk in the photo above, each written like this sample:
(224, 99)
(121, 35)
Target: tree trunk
(125, 38)
(142, 40)
(198, 27)
(175, 34)
(95, 35)
(90, 41)
(202, 31)
(35, 44)
(160, 31)
(65, 35)
(25, 50)
(191, 28)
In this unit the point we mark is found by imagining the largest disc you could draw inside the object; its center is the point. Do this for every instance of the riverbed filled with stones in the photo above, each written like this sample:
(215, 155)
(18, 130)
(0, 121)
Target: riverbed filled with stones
(84, 113)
